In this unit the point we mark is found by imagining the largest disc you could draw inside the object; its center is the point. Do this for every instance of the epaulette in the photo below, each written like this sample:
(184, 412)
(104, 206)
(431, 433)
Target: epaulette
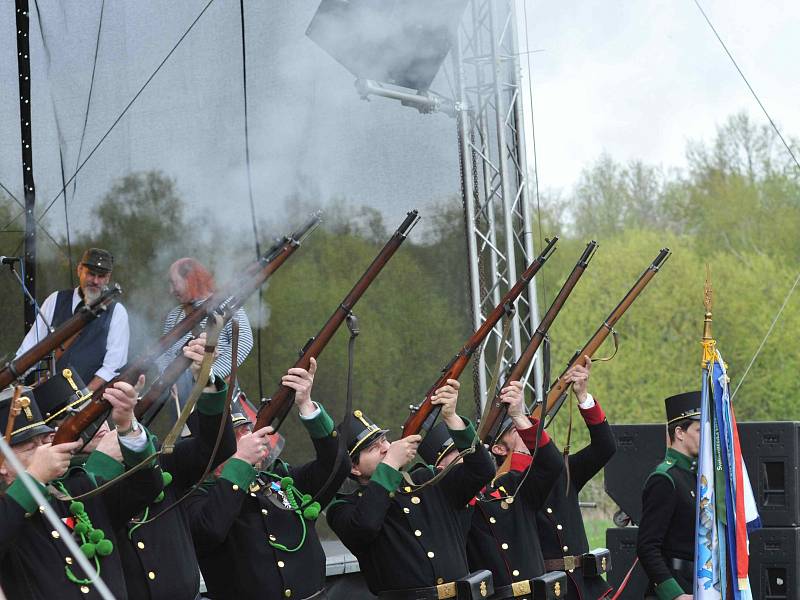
(663, 469)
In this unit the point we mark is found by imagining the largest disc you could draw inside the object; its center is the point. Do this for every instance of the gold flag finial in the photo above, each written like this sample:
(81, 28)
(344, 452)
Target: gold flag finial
(708, 342)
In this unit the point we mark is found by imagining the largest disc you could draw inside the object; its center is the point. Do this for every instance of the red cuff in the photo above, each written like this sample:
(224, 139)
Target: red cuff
(520, 462)
(594, 415)
(529, 435)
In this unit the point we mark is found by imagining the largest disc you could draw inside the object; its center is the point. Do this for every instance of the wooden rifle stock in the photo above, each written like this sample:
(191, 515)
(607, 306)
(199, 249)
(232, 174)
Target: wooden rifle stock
(72, 326)
(232, 298)
(496, 411)
(274, 409)
(559, 389)
(423, 416)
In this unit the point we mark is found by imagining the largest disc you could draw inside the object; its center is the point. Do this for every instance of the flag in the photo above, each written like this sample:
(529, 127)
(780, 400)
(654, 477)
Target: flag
(726, 508)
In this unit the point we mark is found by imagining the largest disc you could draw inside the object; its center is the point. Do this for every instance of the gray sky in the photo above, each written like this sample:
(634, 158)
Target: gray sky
(636, 79)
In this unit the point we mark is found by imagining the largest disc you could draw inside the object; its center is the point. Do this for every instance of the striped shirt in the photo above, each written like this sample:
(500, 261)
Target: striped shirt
(222, 364)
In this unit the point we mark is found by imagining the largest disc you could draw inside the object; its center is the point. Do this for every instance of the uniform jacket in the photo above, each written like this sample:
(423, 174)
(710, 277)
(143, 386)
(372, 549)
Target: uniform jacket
(249, 547)
(560, 523)
(159, 557)
(33, 559)
(503, 536)
(667, 526)
(406, 539)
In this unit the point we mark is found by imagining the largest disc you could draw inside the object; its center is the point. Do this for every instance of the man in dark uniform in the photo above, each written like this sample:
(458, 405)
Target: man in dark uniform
(561, 531)
(34, 561)
(410, 541)
(101, 348)
(666, 533)
(254, 531)
(503, 536)
(158, 556)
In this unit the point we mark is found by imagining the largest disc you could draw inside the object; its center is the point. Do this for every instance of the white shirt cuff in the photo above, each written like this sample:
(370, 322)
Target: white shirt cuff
(588, 403)
(313, 415)
(134, 444)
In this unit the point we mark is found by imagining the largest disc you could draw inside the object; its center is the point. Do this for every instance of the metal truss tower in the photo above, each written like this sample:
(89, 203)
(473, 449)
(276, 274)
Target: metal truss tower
(493, 117)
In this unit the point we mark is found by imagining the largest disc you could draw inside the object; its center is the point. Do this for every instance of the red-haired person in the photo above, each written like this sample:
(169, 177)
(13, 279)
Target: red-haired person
(191, 283)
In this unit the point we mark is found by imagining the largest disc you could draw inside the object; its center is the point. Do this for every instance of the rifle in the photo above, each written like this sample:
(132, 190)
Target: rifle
(496, 411)
(559, 389)
(274, 409)
(423, 417)
(64, 332)
(230, 299)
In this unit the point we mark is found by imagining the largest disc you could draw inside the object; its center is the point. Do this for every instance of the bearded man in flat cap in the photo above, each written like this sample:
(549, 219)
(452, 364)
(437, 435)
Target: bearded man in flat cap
(101, 348)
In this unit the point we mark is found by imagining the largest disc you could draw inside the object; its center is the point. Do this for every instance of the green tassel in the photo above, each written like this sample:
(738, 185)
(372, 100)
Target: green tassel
(160, 497)
(81, 528)
(96, 535)
(311, 512)
(88, 550)
(166, 477)
(105, 547)
(286, 483)
(76, 507)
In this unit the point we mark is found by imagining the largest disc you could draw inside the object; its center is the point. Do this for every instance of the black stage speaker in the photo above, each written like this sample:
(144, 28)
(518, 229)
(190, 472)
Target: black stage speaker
(639, 449)
(771, 452)
(621, 542)
(775, 563)
(402, 42)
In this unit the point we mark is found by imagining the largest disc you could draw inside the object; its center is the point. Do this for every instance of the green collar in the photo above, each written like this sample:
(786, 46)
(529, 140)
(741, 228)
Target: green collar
(680, 460)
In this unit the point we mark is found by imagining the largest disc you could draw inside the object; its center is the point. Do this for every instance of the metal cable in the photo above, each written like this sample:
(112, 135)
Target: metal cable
(252, 202)
(749, 87)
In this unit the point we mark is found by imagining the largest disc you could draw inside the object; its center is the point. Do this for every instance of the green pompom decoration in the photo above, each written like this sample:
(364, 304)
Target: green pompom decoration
(160, 497)
(96, 535)
(76, 507)
(311, 512)
(286, 482)
(306, 499)
(166, 477)
(104, 547)
(81, 528)
(88, 550)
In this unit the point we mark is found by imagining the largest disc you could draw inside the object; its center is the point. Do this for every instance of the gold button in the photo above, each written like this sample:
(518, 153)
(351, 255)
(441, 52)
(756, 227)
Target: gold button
(272, 538)
(287, 592)
(504, 546)
(281, 564)
(415, 500)
(510, 499)
(55, 534)
(549, 511)
(431, 555)
(504, 505)
(253, 494)
(360, 494)
(41, 509)
(492, 520)
(151, 575)
(140, 545)
(440, 580)
(417, 532)
(263, 511)
(566, 548)
(515, 573)
(235, 488)
(85, 589)
(391, 494)
(407, 489)
(334, 433)
(68, 560)
(559, 527)
(406, 510)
